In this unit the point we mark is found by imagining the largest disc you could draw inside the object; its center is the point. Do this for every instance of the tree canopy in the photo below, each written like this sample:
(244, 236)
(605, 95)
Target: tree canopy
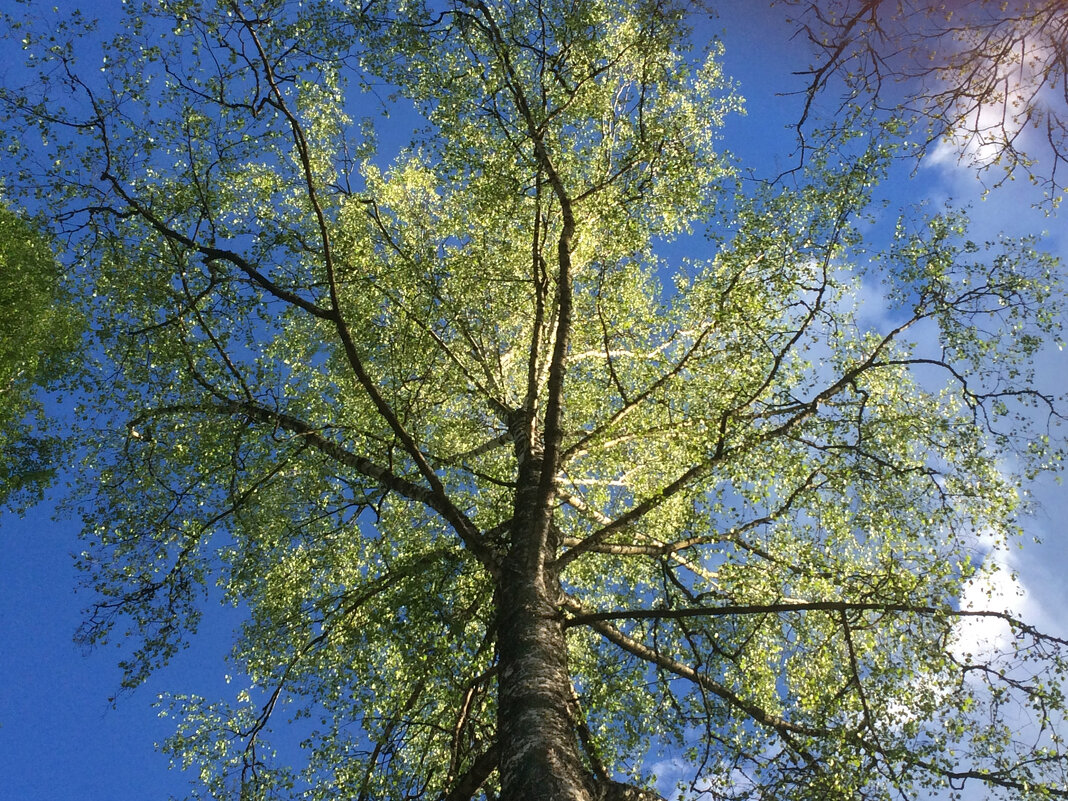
(548, 450)
(38, 334)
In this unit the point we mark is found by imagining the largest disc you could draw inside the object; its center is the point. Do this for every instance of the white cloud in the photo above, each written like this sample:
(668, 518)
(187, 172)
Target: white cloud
(1013, 92)
(995, 588)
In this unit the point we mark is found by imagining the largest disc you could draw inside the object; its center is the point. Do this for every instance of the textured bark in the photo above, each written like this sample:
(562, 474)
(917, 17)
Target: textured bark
(538, 742)
(539, 757)
(539, 746)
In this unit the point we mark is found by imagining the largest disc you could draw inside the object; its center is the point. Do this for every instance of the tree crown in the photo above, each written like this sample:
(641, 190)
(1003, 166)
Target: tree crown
(468, 442)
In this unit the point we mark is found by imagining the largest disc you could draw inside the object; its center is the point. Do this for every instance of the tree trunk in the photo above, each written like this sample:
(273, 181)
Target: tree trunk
(537, 738)
(539, 756)
(537, 735)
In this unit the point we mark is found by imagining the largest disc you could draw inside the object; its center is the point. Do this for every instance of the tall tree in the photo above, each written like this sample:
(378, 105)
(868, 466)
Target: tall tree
(514, 500)
(38, 335)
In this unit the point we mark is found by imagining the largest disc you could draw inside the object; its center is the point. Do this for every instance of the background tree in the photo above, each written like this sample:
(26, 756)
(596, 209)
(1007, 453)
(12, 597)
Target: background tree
(986, 80)
(513, 499)
(37, 337)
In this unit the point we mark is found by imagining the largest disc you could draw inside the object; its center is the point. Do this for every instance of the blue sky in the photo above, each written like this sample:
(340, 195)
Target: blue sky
(60, 738)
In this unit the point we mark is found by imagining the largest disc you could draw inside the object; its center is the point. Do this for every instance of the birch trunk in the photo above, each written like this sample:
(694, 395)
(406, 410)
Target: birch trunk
(539, 752)
(539, 756)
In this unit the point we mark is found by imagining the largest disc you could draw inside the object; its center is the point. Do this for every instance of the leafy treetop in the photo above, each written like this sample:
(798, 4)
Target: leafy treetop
(516, 502)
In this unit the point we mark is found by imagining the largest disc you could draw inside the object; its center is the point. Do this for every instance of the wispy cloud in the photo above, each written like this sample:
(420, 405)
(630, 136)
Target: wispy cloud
(1003, 96)
(997, 587)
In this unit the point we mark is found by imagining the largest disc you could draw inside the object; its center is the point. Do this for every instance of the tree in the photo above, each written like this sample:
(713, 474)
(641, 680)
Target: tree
(514, 501)
(986, 80)
(37, 336)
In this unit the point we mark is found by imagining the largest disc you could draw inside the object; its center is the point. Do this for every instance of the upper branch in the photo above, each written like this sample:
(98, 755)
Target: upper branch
(784, 607)
(343, 330)
(464, 527)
